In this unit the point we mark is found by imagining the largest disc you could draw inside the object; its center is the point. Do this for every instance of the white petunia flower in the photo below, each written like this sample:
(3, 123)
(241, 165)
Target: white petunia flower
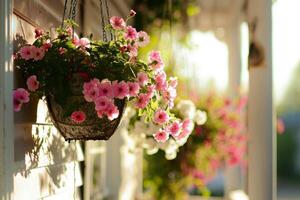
(151, 146)
(171, 156)
(187, 109)
(200, 117)
(182, 141)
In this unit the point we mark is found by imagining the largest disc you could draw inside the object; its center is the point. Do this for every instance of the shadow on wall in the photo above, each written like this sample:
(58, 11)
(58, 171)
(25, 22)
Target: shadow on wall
(40, 151)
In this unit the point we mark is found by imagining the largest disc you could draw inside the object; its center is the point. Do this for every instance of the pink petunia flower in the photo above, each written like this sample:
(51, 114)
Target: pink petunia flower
(173, 82)
(120, 89)
(38, 32)
(154, 56)
(123, 49)
(38, 53)
(112, 112)
(17, 104)
(117, 23)
(106, 89)
(131, 33)
(235, 155)
(100, 113)
(22, 95)
(142, 78)
(26, 52)
(133, 88)
(102, 102)
(161, 136)
(47, 45)
(169, 95)
(32, 83)
(132, 50)
(76, 40)
(187, 128)
(90, 90)
(183, 134)
(155, 61)
(188, 125)
(150, 90)
(91, 95)
(78, 116)
(132, 13)
(142, 101)
(160, 81)
(84, 42)
(175, 128)
(62, 50)
(161, 117)
(142, 39)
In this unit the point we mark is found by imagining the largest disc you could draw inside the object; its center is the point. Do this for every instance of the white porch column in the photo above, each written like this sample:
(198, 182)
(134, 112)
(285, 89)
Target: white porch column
(233, 175)
(113, 167)
(262, 140)
(6, 109)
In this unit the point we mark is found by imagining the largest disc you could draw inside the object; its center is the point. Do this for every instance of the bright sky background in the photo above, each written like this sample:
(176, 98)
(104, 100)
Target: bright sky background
(286, 43)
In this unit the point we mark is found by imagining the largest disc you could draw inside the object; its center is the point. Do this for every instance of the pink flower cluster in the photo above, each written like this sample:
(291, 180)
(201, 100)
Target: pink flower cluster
(32, 52)
(20, 96)
(150, 90)
(155, 61)
(178, 130)
(133, 38)
(167, 88)
(103, 94)
(82, 43)
(32, 83)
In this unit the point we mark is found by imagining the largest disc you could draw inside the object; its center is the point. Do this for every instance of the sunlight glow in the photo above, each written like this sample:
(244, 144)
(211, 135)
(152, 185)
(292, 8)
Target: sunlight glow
(204, 62)
(286, 43)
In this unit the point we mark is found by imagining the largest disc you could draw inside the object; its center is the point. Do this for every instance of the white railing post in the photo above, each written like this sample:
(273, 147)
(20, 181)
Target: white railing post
(262, 140)
(6, 109)
(233, 175)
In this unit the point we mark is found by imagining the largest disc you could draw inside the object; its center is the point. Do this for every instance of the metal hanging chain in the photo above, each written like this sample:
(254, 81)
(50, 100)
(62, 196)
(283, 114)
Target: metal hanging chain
(103, 21)
(64, 13)
(72, 11)
(104, 6)
(74, 6)
(108, 17)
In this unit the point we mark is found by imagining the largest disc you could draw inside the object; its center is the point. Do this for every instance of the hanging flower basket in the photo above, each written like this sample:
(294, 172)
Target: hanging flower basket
(92, 128)
(87, 82)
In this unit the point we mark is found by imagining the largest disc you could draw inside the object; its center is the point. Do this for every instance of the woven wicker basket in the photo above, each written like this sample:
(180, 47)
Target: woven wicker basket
(93, 128)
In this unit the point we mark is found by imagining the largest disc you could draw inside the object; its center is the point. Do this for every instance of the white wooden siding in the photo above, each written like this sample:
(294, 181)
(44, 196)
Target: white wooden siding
(46, 167)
